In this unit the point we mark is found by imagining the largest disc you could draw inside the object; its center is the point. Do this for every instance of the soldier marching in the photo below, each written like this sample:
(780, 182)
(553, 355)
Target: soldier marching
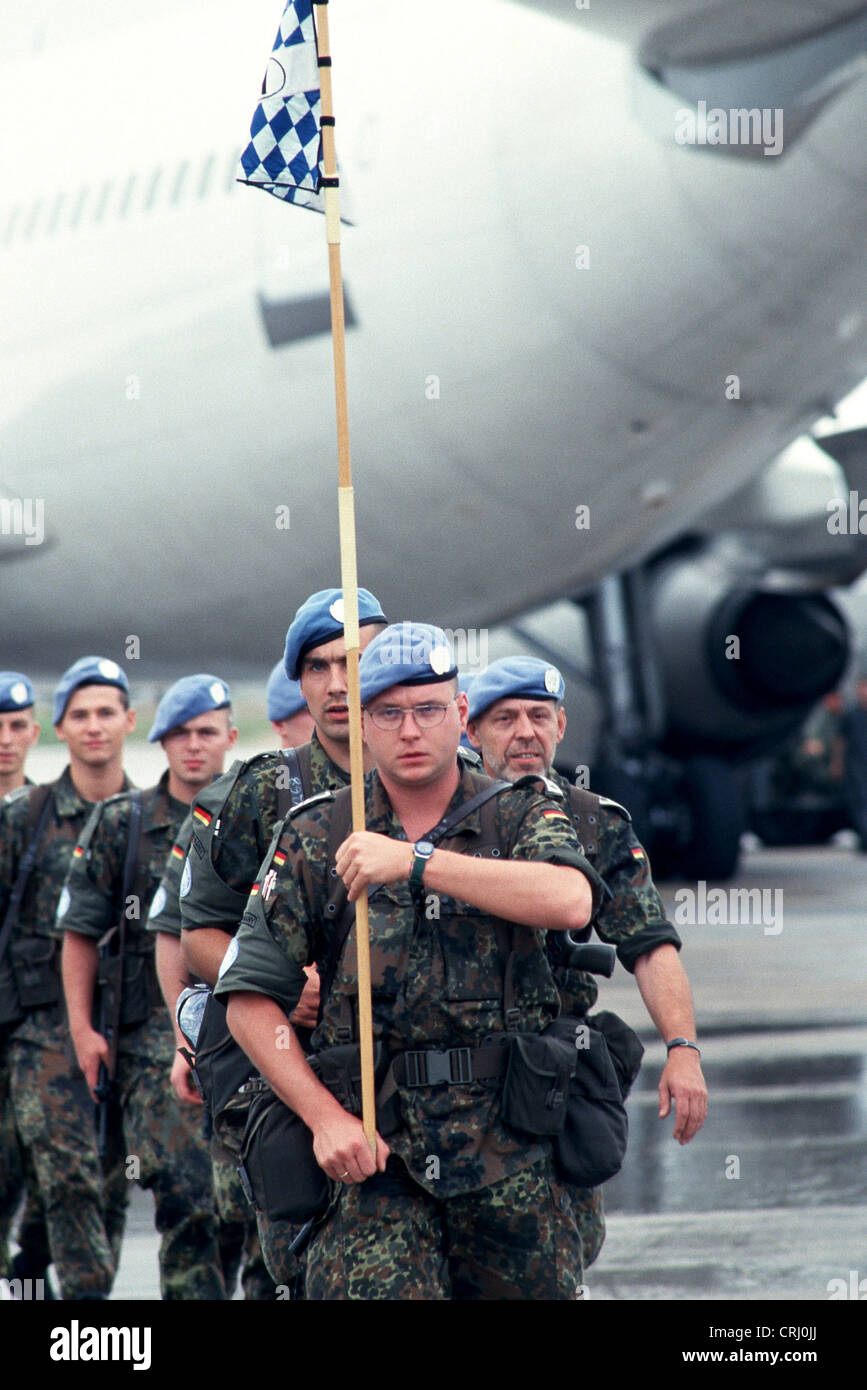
(475, 917)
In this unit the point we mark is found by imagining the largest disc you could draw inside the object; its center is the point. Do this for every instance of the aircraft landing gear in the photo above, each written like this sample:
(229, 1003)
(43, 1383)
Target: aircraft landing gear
(689, 813)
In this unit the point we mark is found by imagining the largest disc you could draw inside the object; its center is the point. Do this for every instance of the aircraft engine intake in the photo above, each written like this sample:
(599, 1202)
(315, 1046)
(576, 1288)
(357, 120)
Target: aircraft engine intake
(740, 665)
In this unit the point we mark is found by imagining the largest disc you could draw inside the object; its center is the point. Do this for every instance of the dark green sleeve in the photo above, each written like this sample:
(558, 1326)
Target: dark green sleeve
(546, 833)
(207, 899)
(89, 901)
(165, 909)
(633, 918)
(273, 943)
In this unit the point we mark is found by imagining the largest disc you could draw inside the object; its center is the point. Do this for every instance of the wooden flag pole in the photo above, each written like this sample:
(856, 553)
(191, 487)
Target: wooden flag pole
(348, 565)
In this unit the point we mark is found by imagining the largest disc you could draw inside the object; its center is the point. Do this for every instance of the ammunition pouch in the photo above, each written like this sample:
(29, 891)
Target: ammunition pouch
(11, 1011)
(135, 975)
(537, 1087)
(624, 1047)
(127, 973)
(279, 1171)
(592, 1146)
(34, 968)
(570, 1083)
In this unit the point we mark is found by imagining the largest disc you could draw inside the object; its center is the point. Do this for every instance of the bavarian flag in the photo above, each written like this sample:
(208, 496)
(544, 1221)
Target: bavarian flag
(284, 155)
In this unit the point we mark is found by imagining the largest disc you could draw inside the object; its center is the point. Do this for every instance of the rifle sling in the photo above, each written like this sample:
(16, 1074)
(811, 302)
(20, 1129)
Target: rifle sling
(117, 934)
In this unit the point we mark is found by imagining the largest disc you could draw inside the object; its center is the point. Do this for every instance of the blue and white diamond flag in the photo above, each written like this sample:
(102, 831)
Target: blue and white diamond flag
(284, 155)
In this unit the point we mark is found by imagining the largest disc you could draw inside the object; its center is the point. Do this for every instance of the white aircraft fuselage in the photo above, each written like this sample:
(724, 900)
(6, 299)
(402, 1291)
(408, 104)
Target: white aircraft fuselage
(553, 306)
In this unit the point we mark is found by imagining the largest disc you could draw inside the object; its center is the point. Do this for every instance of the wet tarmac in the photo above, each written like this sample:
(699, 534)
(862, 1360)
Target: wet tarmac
(769, 1201)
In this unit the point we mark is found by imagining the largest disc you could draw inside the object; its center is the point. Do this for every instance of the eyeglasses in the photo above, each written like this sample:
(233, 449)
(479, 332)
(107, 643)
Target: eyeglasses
(390, 718)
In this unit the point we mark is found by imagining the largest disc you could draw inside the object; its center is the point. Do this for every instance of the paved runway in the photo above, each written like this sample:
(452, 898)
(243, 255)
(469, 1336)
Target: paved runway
(770, 1199)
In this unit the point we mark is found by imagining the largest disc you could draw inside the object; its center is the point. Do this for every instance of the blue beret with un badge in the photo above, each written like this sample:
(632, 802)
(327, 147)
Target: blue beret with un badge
(88, 670)
(405, 654)
(515, 677)
(16, 692)
(189, 696)
(320, 619)
(283, 697)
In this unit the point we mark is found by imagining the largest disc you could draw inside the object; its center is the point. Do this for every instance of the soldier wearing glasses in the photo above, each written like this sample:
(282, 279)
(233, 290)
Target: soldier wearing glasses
(457, 1204)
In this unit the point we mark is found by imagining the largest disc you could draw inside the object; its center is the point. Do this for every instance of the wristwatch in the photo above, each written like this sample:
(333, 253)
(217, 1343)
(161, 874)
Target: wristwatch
(682, 1042)
(421, 853)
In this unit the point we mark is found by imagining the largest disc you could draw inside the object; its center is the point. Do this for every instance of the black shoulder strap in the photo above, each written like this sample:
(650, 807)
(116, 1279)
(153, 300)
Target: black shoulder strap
(298, 761)
(39, 806)
(443, 829)
(337, 909)
(116, 933)
(116, 936)
(130, 863)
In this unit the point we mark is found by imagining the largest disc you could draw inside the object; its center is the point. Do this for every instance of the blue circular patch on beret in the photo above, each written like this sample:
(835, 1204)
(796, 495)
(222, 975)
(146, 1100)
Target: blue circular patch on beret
(189, 696)
(16, 692)
(88, 670)
(518, 677)
(405, 654)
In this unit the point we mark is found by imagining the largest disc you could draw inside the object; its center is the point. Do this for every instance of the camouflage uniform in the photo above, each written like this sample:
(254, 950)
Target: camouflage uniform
(247, 822)
(239, 1237)
(18, 1179)
(488, 1208)
(52, 1106)
(159, 1132)
(632, 919)
(35, 1255)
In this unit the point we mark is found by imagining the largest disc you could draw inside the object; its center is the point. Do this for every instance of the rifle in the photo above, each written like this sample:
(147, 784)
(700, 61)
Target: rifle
(111, 953)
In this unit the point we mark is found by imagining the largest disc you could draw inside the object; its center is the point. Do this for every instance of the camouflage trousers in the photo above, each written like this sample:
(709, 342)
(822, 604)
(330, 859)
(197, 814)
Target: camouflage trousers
(236, 1214)
(589, 1212)
(164, 1151)
(54, 1117)
(286, 1269)
(18, 1179)
(387, 1238)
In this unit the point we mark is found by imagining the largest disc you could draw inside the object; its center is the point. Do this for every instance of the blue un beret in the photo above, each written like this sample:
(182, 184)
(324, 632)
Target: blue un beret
(405, 654)
(283, 697)
(16, 692)
(521, 677)
(320, 619)
(465, 680)
(189, 696)
(87, 670)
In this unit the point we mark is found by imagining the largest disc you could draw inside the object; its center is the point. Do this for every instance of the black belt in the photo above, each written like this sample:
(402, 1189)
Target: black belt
(457, 1066)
